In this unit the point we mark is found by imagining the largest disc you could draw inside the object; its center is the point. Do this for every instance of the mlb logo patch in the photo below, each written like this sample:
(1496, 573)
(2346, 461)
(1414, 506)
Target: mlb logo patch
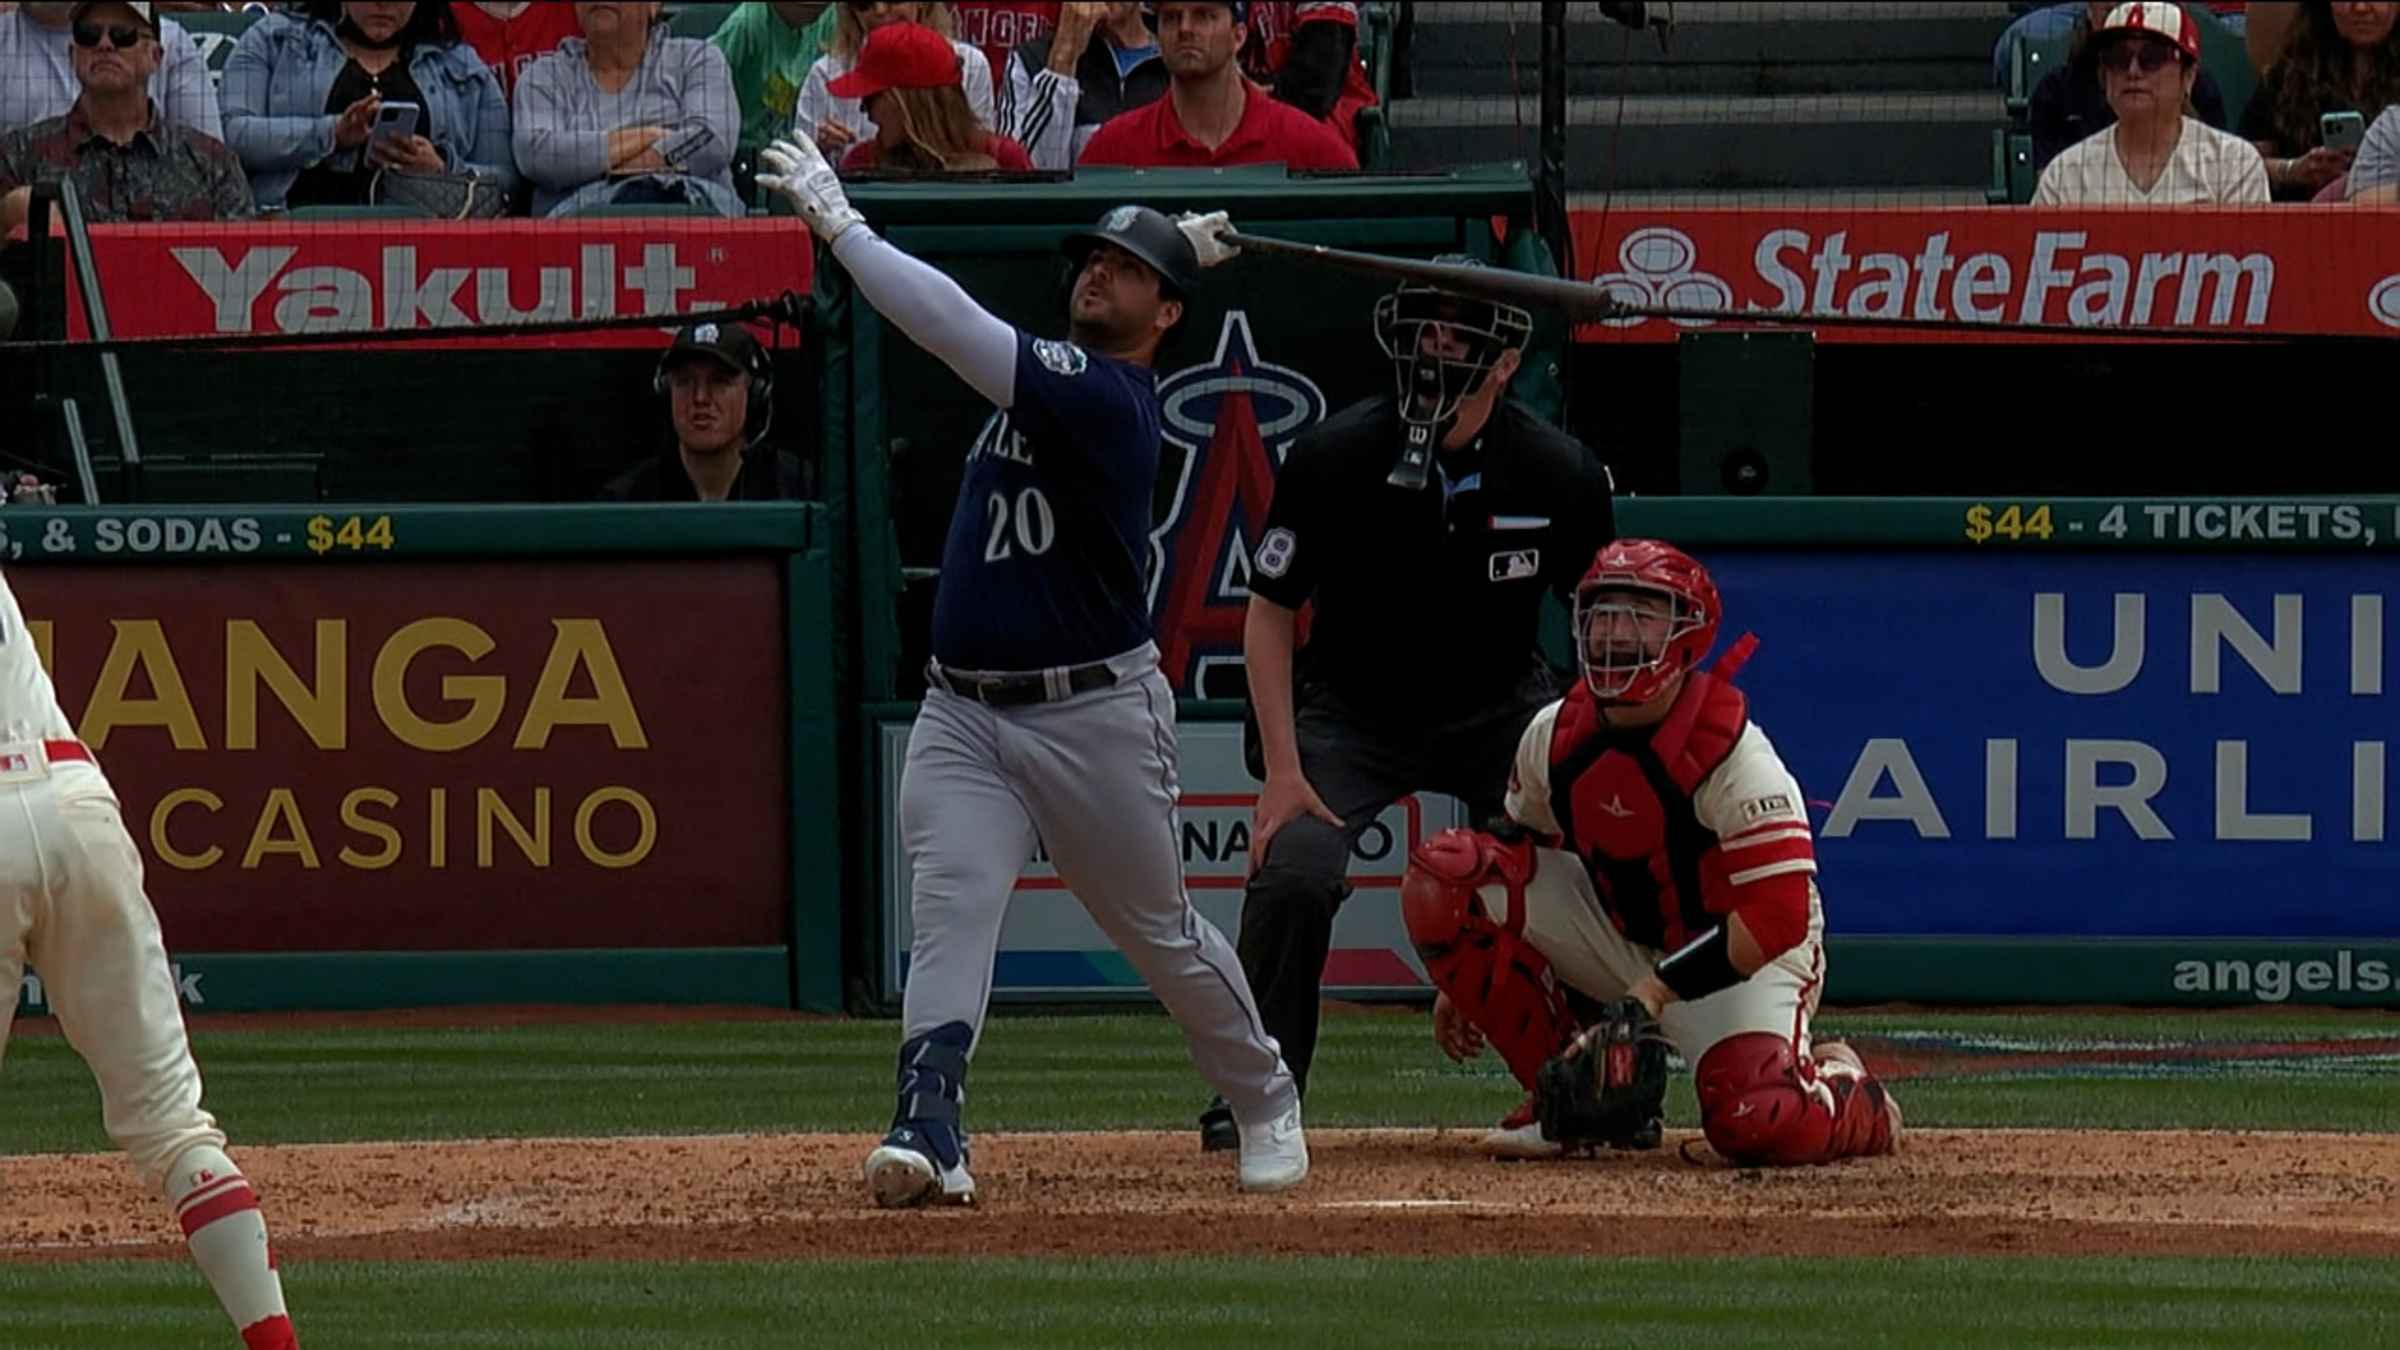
(1518, 565)
(13, 763)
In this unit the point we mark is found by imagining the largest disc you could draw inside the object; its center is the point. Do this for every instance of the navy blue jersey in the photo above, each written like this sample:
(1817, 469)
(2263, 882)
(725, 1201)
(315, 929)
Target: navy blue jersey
(1050, 540)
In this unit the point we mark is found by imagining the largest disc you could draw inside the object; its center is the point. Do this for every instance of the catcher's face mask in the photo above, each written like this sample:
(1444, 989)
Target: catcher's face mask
(1628, 640)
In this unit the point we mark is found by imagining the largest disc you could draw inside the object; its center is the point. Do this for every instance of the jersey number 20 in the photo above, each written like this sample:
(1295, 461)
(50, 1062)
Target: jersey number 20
(1028, 525)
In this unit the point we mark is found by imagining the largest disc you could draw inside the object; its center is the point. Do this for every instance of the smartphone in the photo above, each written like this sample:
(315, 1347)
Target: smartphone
(2344, 130)
(679, 147)
(394, 121)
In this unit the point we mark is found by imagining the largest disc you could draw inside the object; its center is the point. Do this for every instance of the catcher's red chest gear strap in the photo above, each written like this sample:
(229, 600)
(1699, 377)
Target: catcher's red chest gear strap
(1625, 807)
(1492, 975)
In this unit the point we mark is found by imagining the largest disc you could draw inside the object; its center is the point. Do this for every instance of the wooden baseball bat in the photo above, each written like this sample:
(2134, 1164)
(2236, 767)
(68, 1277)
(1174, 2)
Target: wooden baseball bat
(1578, 301)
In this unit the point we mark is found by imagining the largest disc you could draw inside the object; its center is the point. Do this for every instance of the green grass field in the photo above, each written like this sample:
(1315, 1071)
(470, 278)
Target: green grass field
(272, 1087)
(1242, 1305)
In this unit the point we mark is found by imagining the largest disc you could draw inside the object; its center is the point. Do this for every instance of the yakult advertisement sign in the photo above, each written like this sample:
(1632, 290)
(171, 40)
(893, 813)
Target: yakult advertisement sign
(215, 280)
(2291, 269)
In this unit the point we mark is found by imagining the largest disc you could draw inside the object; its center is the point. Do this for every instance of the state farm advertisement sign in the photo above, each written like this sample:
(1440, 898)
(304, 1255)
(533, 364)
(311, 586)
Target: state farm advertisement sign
(361, 277)
(2333, 269)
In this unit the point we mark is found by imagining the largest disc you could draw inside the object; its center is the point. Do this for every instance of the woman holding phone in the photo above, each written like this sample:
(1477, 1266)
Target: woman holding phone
(322, 97)
(2340, 56)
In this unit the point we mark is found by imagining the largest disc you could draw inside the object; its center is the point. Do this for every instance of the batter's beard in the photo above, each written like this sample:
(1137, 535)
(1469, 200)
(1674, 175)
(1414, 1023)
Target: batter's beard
(1094, 335)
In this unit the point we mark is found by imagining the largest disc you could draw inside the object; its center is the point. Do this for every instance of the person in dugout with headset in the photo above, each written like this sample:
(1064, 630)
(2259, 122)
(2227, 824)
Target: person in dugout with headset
(1425, 527)
(719, 384)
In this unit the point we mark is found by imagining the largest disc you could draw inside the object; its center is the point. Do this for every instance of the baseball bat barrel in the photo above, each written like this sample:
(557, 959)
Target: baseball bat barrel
(1576, 300)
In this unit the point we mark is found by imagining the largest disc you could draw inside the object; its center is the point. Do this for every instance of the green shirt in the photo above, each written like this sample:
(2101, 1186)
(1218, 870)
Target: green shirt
(770, 60)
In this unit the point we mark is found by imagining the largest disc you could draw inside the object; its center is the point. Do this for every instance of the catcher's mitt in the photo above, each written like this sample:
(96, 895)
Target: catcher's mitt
(1610, 1086)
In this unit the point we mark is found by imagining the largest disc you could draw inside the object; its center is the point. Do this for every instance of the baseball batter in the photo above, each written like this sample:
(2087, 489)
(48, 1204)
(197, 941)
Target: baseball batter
(1046, 718)
(71, 904)
(1674, 867)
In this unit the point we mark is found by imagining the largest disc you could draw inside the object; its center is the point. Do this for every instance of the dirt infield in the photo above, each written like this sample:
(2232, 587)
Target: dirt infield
(1969, 1192)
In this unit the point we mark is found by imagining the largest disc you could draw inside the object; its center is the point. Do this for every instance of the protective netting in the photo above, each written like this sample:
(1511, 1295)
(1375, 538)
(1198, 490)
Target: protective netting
(1868, 165)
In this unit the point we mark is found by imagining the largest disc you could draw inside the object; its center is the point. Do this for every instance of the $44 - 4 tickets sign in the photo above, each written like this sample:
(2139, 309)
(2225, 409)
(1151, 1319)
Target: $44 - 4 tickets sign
(354, 534)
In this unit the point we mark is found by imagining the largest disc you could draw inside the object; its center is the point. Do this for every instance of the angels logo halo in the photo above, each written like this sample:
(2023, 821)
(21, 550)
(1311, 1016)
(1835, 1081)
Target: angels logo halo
(1229, 422)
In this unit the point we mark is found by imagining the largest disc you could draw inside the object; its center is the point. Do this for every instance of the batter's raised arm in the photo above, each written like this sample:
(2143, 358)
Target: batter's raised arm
(922, 302)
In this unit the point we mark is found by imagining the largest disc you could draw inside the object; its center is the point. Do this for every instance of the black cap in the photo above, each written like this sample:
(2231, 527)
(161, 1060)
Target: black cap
(1149, 236)
(729, 344)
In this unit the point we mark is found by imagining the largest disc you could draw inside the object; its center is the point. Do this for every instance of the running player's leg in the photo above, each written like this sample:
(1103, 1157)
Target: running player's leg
(968, 837)
(1100, 773)
(1289, 903)
(21, 868)
(104, 968)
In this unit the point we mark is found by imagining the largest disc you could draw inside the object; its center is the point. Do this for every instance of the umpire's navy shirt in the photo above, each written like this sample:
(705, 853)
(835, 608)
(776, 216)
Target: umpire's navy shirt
(1046, 555)
(1428, 600)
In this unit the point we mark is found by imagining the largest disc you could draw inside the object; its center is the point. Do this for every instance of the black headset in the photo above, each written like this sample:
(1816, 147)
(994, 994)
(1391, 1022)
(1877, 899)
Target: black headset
(759, 366)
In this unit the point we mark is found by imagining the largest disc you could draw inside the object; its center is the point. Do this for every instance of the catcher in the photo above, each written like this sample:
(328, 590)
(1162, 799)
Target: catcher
(1658, 860)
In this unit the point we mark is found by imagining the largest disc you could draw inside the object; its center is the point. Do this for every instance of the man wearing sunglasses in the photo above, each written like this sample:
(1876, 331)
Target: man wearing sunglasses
(2157, 154)
(37, 70)
(125, 161)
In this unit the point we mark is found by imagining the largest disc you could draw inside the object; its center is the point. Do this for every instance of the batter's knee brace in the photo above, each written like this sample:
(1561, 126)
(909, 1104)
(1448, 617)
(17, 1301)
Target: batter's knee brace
(1492, 975)
(1763, 1105)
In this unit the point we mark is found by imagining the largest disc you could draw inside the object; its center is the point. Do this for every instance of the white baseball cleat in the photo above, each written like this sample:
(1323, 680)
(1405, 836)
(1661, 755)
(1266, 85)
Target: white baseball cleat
(901, 1175)
(1274, 1152)
(1519, 1136)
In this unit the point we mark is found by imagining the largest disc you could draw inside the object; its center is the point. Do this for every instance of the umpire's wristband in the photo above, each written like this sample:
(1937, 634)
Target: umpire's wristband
(1702, 967)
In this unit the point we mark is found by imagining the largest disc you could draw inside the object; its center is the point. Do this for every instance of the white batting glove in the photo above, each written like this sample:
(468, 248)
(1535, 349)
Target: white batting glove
(797, 171)
(1206, 233)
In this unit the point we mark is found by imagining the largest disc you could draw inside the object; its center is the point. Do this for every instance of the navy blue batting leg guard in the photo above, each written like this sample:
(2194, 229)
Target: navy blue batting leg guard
(933, 1087)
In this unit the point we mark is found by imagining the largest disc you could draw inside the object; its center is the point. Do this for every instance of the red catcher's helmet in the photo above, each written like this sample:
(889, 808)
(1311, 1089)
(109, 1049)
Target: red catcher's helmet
(1631, 650)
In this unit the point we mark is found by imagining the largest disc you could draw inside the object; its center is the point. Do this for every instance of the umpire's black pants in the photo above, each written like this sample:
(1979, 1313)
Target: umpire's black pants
(1359, 766)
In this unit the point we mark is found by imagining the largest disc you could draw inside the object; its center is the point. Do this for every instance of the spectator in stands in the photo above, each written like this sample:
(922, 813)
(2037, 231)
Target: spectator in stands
(37, 75)
(998, 27)
(837, 123)
(719, 384)
(2375, 177)
(1212, 116)
(2051, 22)
(126, 161)
(771, 48)
(1305, 52)
(2070, 105)
(628, 115)
(2156, 154)
(305, 87)
(2341, 56)
(1102, 60)
(906, 80)
(511, 35)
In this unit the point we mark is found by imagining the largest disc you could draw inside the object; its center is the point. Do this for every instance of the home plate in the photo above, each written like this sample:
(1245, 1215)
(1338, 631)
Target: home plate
(1395, 1204)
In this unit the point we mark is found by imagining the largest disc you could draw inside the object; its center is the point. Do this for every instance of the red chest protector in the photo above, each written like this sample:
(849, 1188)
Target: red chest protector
(1624, 803)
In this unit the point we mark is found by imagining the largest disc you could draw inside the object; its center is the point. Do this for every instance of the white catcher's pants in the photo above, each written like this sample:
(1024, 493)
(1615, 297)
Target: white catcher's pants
(71, 903)
(1564, 922)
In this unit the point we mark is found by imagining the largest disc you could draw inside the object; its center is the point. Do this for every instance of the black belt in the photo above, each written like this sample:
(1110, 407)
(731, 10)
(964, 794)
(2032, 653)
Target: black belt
(1019, 690)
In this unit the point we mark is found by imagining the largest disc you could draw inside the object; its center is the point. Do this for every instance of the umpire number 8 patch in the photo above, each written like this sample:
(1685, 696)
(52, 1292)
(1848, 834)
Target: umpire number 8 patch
(1275, 552)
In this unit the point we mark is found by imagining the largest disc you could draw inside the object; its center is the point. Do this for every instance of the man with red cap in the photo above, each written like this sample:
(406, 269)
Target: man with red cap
(1658, 859)
(1212, 116)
